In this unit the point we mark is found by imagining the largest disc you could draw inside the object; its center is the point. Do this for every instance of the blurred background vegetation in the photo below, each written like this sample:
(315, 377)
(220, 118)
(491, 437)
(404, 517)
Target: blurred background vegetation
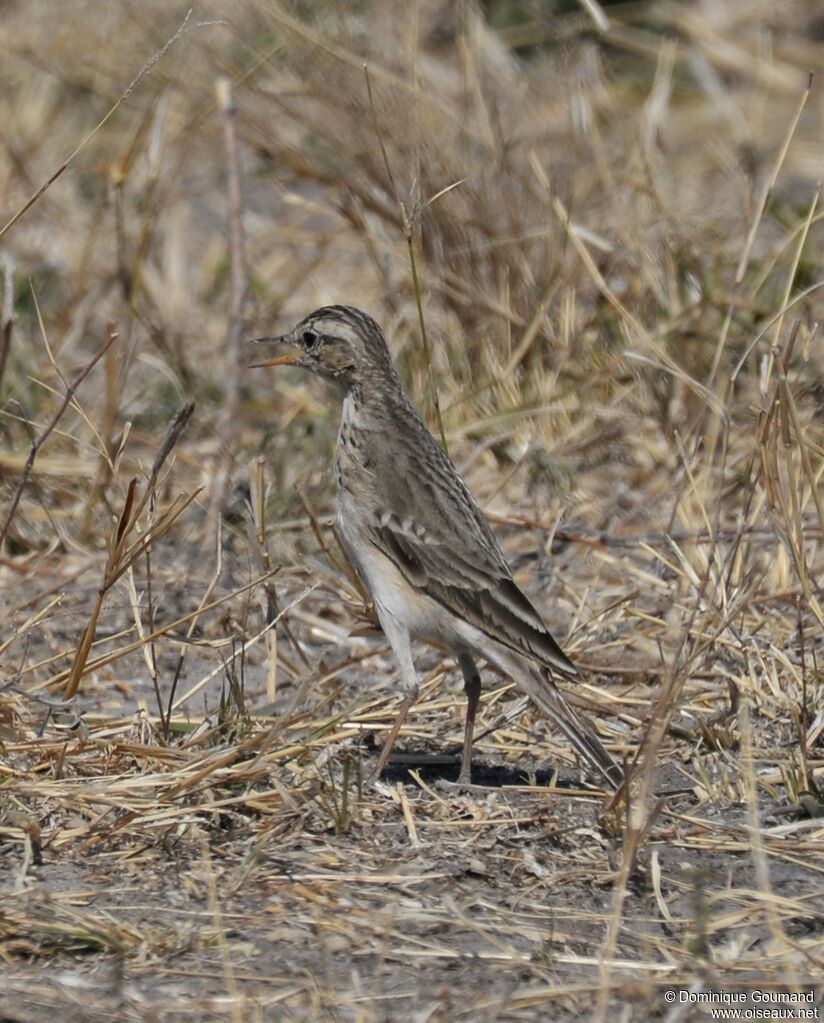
(609, 208)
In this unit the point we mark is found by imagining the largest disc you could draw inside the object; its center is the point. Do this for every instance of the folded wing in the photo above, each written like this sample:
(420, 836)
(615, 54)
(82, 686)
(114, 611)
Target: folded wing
(443, 546)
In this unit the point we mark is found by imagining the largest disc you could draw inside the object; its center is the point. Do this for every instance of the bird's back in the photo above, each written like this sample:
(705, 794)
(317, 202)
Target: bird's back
(418, 512)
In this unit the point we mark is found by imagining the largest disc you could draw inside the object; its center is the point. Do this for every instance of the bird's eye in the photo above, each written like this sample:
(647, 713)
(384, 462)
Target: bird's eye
(310, 339)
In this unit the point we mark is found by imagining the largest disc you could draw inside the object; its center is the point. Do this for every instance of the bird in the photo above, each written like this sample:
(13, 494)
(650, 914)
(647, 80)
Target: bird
(419, 541)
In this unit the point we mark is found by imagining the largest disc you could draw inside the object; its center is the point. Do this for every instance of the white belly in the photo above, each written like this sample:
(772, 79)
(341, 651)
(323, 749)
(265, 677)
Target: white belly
(383, 579)
(394, 596)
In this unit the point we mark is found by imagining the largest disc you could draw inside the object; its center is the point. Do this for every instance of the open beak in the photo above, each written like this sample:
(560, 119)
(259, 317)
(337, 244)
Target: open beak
(281, 360)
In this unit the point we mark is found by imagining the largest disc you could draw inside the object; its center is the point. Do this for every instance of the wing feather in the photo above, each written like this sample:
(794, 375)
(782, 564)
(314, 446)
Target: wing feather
(428, 523)
(481, 590)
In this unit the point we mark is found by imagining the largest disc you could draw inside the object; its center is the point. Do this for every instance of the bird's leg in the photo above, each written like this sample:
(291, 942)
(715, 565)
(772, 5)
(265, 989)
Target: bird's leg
(389, 742)
(472, 688)
(398, 638)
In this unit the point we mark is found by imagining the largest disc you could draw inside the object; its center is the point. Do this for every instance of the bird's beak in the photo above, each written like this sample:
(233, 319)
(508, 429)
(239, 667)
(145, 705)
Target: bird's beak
(293, 359)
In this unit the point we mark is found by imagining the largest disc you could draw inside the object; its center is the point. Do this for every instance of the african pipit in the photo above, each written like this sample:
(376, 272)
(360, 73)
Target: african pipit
(419, 541)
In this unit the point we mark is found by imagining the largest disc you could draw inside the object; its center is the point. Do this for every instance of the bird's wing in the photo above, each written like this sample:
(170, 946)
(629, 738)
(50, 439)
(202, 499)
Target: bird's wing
(426, 521)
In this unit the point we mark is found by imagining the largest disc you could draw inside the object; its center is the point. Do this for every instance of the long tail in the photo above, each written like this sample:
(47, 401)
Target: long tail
(543, 691)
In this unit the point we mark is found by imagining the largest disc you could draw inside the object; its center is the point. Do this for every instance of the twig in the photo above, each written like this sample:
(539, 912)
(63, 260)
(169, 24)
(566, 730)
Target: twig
(130, 648)
(260, 552)
(125, 551)
(7, 314)
(746, 253)
(602, 538)
(236, 322)
(147, 67)
(407, 225)
(40, 440)
(207, 596)
(244, 646)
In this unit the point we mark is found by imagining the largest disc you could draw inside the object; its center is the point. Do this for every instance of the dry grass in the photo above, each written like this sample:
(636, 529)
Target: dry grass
(614, 243)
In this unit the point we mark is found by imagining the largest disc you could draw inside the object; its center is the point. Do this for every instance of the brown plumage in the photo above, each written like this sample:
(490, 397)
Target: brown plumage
(419, 540)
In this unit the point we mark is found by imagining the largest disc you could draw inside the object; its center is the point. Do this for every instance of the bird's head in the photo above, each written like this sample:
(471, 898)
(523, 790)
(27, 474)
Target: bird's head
(337, 342)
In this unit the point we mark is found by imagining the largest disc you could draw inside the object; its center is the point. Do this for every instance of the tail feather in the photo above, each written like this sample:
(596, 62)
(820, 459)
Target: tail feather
(577, 729)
